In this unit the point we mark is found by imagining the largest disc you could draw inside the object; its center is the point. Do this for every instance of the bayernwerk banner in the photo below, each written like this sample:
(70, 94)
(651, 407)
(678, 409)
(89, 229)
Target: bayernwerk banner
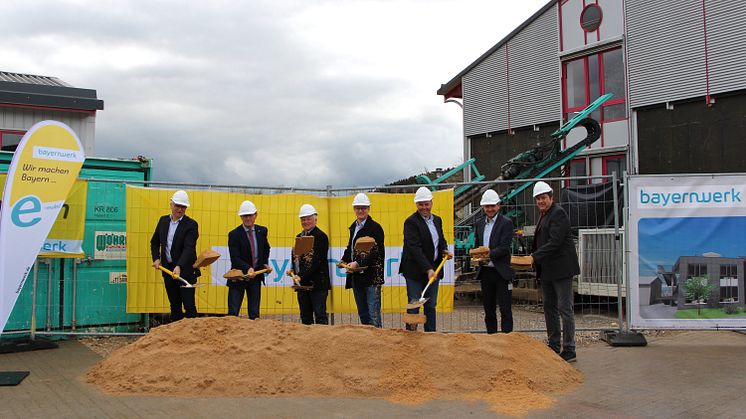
(41, 174)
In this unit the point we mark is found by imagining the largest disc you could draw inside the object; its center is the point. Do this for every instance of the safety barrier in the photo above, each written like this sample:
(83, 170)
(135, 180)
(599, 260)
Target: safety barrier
(114, 290)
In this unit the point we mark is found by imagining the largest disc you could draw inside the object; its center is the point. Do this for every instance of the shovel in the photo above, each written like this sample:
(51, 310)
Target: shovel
(341, 264)
(421, 302)
(174, 276)
(296, 281)
(205, 258)
(236, 274)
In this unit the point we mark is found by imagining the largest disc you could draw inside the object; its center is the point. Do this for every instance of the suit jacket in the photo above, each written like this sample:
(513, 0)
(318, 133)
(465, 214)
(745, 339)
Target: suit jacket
(183, 247)
(314, 267)
(554, 249)
(500, 241)
(373, 260)
(417, 254)
(240, 249)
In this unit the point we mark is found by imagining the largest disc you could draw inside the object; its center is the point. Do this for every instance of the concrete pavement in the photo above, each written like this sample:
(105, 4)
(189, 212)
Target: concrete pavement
(690, 374)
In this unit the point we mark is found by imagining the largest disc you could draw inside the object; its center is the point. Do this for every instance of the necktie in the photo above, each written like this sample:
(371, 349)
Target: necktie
(252, 243)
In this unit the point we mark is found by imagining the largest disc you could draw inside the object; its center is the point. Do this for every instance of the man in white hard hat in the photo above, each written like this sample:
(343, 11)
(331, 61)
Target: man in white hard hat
(366, 285)
(424, 248)
(174, 246)
(556, 263)
(313, 270)
(496, 276)
(249, 250)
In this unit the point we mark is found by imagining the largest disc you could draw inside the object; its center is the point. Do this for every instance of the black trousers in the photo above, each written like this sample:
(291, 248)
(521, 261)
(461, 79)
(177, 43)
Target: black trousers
(313, 304)
(253, 290)
(496, 291)
(178, 296)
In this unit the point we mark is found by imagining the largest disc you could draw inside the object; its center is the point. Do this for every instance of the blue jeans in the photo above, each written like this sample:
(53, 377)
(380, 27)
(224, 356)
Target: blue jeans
(558, 301)
(368, 300)
(312, 306)
(414, 291)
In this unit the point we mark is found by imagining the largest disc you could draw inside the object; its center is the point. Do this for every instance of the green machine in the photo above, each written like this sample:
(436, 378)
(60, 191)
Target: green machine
(86, 294)
(532, 164)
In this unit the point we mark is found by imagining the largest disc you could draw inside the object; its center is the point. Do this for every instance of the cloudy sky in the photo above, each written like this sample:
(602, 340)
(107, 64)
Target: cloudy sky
(265, 93)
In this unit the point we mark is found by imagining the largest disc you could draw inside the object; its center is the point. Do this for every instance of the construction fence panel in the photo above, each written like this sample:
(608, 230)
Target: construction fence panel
(113, 289)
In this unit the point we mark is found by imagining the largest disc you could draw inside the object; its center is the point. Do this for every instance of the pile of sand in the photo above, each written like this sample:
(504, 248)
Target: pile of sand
(229, 356)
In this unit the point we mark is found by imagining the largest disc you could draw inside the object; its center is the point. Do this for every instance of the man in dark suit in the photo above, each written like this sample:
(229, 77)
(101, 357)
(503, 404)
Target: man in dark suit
(556, 263)
(496, 276)
(366, 285)
(249, 250)
(313, 270)
(173, 246)
(424, 248)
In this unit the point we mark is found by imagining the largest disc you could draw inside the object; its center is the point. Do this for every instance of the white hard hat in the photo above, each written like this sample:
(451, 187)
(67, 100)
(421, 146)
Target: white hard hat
(361, 200)
(422, 195)
(541, 188)
(180, 198)
(306, 210)
(247, 208)
(490, 197)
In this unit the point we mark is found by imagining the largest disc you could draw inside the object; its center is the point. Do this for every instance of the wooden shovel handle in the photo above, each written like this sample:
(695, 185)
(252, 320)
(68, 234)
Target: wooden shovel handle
(261, 271)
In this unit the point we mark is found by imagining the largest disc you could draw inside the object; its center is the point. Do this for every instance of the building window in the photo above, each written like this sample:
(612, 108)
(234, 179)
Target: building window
(578, 167)
(728, 284)
(694, 270)
(614, 164)
(587, 78)
(9, 139)
(591, 17)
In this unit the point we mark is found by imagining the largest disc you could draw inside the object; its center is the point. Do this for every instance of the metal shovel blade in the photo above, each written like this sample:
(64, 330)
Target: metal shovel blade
(416, 303)
(188, 285)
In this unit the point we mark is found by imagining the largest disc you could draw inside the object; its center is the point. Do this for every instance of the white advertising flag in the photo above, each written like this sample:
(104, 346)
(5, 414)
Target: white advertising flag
(41, 174)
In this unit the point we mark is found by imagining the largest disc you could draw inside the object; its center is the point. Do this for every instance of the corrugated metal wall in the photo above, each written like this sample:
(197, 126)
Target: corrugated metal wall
(666, 49)
(534, 95)
(22, 119)
(726, 45)
(485, 96)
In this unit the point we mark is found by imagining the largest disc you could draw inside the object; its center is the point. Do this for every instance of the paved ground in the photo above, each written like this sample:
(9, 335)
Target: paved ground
(693, 374)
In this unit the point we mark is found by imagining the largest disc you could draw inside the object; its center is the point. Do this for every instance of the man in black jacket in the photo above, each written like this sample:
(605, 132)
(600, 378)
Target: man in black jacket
(313, 270)
(556, 263)
(424, 248)
(366, 285)
(249, 250)
(496, 276)
(174, 246)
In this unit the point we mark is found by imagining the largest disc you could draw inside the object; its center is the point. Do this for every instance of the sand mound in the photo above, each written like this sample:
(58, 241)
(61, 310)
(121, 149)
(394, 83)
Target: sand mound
(228, 356)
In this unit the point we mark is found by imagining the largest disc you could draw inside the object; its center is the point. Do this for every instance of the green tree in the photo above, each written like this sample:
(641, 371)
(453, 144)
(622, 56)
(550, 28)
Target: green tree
(698, 288)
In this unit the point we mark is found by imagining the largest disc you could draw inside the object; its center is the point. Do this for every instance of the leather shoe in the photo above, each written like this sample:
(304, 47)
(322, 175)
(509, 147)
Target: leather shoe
(568, 356)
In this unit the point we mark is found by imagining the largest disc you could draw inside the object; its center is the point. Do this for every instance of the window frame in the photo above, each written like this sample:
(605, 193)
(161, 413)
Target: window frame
(9, 131)
(602, 88)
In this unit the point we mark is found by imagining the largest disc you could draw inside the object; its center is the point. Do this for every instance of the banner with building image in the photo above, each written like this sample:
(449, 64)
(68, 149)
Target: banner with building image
(687, 251)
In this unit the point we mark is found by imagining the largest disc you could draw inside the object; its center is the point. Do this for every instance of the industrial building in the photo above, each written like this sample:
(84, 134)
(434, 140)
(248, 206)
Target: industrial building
(26, 99)
(676, 69)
